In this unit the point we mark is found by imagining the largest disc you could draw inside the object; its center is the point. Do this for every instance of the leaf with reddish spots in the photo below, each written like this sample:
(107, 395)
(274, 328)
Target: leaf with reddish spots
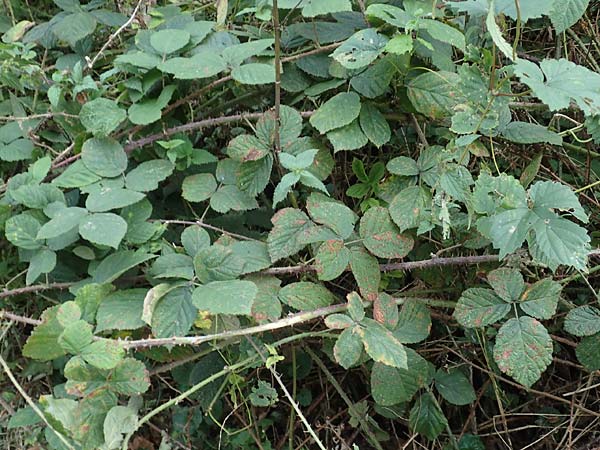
(365, 269)
(385, 310)
(478, 307)
(288, 225)
(507, 283)
(331, 260)
(245, 148)
(381, 237)
(523, 349)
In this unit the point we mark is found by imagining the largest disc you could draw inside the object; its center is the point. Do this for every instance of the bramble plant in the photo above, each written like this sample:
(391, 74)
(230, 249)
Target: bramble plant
(299, 223)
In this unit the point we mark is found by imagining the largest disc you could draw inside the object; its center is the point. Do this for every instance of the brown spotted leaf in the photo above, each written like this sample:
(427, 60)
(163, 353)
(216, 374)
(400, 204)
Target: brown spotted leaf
(508, 283)
(478, 307)
(540, 299)
(382, 346)
(246, 148)
(523, 349)
(381, 237)
(331, 260)
(385, 310)
(288, 226)
(365, 269)
(348, 348)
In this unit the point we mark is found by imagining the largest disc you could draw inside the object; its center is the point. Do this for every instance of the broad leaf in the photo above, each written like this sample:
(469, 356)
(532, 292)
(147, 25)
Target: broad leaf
(306, 296)
(104, 157)
(101, 116)
(381, 236)
(540, 299)
(426, 417)
(288, 224)
(348, 347)
(361, 49)
(583, 321)
(455, 387)
(225, 297)
(103, 229)
(382, 346)
(523, 349)
(337, 112)
(331, 260)
(478, 307)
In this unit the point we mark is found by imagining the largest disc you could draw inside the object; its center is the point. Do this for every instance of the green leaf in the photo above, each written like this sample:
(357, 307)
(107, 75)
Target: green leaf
(434, 94)
(237, 54)
(174, 314)
(138, 59)
(231, 198)
(120, 420)
(306, 296)
(313, 8)
(101, 116)
(374, 81)
(540, 299)
(382, 346)
(365, 269)
(129, 377)
(523, 349)
(496, 33)
(391, 14)
(22, 230)
(349, 137)
(391, 385)
(356, 308)
(218, 263)
(478, 307)
(336, 112)
(225, 297)
(426, 417)
(149, 110)
(583, 321)
(173, 265)
(331, 260)
(254, 73)
(42, 344)
(116, 264)
(104, 157)
(288, 225)
(169, 40)
(407, 208)
(531, 171)
(23, 417)
(558, 82)
(266, 306)
(76, 336)
(89, 297)
(103, 229)
(414, 322)
(455, 387)
(399, 44)
(549, 195)
(253, 176)
(74, 27)
(381, 237)
(44, 261)
(264, 395)
(348, 347)
(284, 187)
(76, 175)
(374, 125)
(334, 215)
(202, 65)
(507, 283)
(197, 188)
(360, 49)
(194, 238)
(507, 230)
(103, 354)
(121, 310)
(147, 176)
(444, 33)
(108, 198)
(246, 147)
(253, 254)
(566, 13)
(588, 352)
(17, 150)
(560, 241)
(62, 222)
(530, 133)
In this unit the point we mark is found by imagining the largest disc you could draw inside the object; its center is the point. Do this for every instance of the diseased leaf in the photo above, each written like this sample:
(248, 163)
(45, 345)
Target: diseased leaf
(334, 215)
(434, 94)
(331, 260)
(283, 240)
(381, 236)
(478, 307)
(360, 49)
(408, 206)
(42, 344)
(365, 269)
(588, 352)
(583, 321)
(348, 347)
(101, 116)
(523, 349)
(414, 322)
(197, 188)
(382, 346)
(174, 314)
(507, 283)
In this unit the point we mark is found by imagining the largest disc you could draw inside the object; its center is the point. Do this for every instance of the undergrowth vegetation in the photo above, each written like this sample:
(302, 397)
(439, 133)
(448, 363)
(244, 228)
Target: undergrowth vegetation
(299, 224)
